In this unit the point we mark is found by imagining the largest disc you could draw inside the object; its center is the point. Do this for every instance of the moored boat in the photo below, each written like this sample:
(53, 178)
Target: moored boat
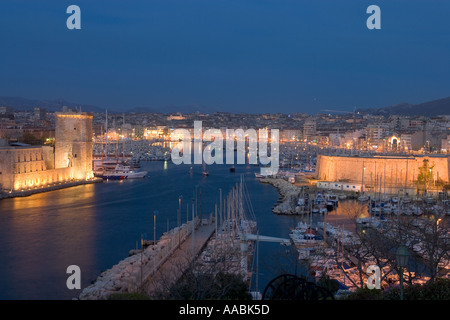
(121, 172)
(363, 198)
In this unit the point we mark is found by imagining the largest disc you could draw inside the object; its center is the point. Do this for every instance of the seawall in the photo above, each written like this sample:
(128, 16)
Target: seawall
(394, 171)
(289, 195)
(27, 193)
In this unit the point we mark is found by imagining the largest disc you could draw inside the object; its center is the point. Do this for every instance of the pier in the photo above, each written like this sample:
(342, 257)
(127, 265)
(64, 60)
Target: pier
(153, 270)
(156, 267)
(169, 269)
(52, 187)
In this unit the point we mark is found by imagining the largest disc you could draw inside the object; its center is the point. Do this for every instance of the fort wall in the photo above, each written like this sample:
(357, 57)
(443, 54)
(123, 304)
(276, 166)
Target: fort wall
(29, 167)
(392, 171)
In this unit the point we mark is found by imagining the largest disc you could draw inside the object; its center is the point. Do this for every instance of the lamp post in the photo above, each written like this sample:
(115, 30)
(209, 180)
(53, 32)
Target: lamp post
(142, 253)
(155, 213)
(179, 219)
(402, 256)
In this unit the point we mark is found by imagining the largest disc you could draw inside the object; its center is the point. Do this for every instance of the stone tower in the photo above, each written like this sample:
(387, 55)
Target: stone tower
(73, 143)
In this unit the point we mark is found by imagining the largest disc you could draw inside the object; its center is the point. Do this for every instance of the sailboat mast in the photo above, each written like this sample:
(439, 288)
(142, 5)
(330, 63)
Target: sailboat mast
(123, 138)
(106, 134)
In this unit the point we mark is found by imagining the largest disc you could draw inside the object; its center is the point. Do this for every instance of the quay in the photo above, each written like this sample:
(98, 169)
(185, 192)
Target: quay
(56, 186)
(158, 281)
(155, 268)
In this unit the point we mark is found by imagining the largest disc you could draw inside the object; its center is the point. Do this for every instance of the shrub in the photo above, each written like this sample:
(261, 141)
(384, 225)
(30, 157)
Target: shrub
(129, 296)
(439, 289)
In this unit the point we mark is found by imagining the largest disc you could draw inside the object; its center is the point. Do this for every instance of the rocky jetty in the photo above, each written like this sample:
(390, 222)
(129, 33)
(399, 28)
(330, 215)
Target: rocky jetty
(115, 280)
(289, 195)
(125, 276)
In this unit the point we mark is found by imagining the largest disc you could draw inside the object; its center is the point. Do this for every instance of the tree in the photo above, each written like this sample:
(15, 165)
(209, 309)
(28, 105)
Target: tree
(425, 176)
(439, 289)
(426, 238)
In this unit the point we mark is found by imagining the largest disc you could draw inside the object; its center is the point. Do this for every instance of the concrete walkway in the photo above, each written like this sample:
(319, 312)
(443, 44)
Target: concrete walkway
(172, 269)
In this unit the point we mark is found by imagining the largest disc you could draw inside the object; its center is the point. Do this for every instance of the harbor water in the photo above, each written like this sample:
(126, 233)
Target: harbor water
(95, 226)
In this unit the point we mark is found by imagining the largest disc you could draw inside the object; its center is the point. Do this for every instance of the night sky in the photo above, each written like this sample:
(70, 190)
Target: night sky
(226, 55)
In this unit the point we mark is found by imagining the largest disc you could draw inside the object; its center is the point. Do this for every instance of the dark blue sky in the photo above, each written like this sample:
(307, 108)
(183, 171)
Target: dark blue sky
(229, 55)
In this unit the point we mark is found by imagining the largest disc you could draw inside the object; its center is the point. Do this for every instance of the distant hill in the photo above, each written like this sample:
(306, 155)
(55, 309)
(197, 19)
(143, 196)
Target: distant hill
(429, 109)
(172, 109)
(23, 104)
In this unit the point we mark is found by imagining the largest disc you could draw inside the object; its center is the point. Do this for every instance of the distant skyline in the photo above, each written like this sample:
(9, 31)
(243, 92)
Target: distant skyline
(251, 56)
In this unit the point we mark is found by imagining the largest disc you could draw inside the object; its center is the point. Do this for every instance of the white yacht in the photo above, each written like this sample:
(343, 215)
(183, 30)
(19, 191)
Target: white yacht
(122, 172)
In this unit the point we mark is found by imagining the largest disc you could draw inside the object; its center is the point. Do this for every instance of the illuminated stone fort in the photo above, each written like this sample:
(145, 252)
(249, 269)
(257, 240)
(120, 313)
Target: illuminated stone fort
(25, 167)
(386, 172)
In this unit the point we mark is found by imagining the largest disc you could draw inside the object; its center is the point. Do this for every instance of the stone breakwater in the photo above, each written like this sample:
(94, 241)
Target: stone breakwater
(115, 280)
(126, 276)
(289, 195)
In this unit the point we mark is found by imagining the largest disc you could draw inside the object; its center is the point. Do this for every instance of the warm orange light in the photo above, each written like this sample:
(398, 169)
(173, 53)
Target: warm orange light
(75, 116)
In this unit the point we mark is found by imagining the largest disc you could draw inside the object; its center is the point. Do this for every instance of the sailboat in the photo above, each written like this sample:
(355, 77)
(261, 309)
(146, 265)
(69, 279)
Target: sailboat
(205, 172)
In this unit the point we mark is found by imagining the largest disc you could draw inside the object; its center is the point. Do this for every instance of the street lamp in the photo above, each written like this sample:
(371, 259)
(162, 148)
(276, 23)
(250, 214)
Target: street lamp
(155, 213)
(402, 256)
(142, 253)
(179, 219)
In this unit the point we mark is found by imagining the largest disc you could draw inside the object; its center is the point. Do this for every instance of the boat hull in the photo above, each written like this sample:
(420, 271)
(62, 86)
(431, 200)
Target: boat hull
(123, 176)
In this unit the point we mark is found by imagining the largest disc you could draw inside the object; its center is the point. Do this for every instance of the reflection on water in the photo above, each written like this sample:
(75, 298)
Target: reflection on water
(95, 226)
(40, 236)
(350, 209)
(346, 213)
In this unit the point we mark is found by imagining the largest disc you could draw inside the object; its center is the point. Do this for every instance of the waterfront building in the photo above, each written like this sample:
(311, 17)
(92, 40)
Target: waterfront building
(23, 167)
(386, 173)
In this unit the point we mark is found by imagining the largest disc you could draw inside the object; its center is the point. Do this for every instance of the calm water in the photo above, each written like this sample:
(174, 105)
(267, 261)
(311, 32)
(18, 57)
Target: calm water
(95, 226)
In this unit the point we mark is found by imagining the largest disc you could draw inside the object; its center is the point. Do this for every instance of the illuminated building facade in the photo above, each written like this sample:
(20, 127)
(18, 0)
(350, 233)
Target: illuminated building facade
(24, 167)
